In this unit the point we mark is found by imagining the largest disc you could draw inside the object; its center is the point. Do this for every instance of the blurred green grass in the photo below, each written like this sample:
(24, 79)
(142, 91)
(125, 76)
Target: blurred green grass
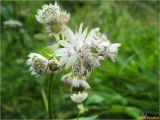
(124, 89)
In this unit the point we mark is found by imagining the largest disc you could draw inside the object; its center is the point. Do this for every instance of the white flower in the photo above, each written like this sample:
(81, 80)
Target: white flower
(75, 81)
(38, 64)
(53, 17)
(97, 40)
(112, 51)
(76, 52)
(102, 45)
(50, 13)
(79, 97)
(13, 23)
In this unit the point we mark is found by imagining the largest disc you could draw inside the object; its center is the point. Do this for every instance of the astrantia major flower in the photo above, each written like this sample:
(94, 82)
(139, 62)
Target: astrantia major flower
(76, 53)
(38, 64)
(53, 17)
(79, 97)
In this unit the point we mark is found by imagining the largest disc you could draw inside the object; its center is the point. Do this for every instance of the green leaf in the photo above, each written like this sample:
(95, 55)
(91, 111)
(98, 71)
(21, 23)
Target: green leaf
(88, 118)
(131, 111)
(95, 99)
(48, 52)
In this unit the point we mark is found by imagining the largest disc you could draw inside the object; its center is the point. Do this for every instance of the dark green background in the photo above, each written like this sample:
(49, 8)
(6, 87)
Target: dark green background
(125, 89)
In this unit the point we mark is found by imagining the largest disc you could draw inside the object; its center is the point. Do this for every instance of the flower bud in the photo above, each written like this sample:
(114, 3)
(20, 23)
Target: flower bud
(79, 97)
(53, 65)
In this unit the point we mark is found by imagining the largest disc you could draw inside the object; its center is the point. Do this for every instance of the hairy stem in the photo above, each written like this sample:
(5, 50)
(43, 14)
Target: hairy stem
(50, 97)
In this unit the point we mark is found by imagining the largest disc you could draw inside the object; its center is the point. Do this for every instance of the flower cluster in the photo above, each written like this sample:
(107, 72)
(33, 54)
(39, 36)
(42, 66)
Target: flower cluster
(53, 18)
(81, 51)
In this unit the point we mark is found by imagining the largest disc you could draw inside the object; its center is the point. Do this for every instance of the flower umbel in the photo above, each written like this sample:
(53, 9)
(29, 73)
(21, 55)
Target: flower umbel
(76, 53)
(53, 18)
(83, 52)
(38, 64)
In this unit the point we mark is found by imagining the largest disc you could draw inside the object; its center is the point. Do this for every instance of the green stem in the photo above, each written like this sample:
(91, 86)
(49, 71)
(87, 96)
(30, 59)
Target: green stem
(60, 36)
(50, 97)
(44, 98)
(78, 115)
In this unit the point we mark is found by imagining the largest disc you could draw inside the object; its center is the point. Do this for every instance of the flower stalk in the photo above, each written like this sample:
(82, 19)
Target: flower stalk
(78, 115)
(50, 97)
(60, 36)
(81, 110)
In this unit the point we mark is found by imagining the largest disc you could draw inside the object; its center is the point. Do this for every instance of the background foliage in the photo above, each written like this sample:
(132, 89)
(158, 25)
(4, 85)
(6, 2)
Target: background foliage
(124, 89)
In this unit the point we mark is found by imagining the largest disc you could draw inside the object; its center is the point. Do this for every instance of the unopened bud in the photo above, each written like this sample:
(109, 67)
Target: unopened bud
(53, 65)
(79, 97)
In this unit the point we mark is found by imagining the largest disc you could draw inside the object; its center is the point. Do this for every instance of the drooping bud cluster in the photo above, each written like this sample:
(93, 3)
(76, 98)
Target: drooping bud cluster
(81, 51)
(53, 18)
(40, 65)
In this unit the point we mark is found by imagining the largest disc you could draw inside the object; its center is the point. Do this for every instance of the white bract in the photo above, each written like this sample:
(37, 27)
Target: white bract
(75, 81)
(38, 64)
(79, 97)
(97, 40)
(112, 51)
(53, 17)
